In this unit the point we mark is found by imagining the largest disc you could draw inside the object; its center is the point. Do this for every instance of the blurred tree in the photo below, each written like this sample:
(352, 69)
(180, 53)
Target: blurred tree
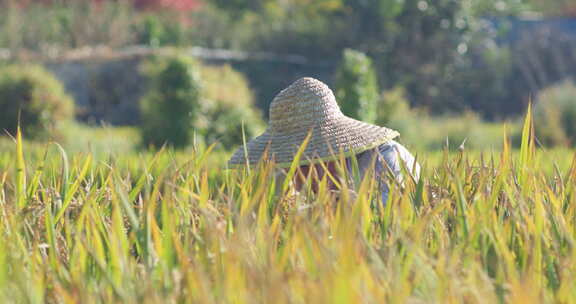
(186, 98)
(169, 110)
(154, 30)
(482, 83)
(227, 107)
(555, 115)
(357, 86)
(392, 103)
(424, 46)
(151, 31)
(446, 54)
(556, 7)
(33, 97)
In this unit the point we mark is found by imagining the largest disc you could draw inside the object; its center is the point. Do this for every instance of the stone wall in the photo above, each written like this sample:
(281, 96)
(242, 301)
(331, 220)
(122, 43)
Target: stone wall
(104, 90)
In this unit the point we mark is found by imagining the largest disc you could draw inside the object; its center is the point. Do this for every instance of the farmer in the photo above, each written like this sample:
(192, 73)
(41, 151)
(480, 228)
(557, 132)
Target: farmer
(308, 108)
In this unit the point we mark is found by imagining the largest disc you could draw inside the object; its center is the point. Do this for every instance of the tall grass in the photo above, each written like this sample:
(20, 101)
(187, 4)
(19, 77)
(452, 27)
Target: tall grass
(182, 228)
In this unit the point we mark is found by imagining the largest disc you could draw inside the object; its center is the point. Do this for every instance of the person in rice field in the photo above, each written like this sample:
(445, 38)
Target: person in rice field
(308, 108)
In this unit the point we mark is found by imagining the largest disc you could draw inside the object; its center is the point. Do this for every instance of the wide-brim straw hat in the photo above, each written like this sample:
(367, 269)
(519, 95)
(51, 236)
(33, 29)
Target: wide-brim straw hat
(308, 108)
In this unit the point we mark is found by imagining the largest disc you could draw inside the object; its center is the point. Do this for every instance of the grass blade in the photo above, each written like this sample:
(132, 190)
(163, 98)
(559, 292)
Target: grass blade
(20, 172)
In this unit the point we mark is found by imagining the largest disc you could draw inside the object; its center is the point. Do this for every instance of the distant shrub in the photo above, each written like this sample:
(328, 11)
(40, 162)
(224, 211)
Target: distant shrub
(226, 85)
(548, 127)
(169, 110)
(150, 31)
(392, 103)
(228, 107)
(158, 30)
(555, 115)
(357, 86)
(213, 102)
(35, 96)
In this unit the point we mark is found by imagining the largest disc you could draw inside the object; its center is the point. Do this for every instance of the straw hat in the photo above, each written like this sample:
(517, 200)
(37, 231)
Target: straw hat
(308, 106)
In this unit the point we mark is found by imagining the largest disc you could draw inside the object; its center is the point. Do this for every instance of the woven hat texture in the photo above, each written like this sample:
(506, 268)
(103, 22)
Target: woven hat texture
(308, 106)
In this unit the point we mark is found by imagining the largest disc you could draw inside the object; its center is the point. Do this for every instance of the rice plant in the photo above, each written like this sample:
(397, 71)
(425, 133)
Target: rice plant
(178, 227)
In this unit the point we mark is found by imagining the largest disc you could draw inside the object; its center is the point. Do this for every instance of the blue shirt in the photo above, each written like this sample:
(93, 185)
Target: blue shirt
(387, 160)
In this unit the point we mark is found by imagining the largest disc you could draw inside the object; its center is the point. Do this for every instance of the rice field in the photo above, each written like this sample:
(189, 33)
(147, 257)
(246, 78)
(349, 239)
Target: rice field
(179, 227)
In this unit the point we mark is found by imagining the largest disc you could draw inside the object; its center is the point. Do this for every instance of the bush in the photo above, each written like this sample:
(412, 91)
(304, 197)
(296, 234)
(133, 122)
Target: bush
(226, 85)
(357, 87)
(392, 103)
(169, 110)
(228, 107)
(555, 115)
(158, 30)
(214, 102)
(36, 97)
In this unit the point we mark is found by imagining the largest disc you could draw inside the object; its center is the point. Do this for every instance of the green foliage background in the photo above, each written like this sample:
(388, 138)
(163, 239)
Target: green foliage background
(444, 53)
